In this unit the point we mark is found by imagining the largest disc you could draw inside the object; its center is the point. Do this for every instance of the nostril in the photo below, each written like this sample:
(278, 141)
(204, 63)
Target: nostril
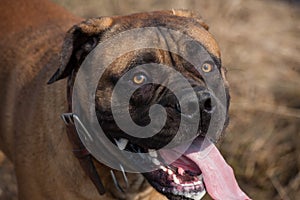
(206, 101)
(207, 105)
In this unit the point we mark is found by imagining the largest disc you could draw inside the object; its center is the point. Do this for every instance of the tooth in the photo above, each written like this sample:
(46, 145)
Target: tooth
(155, 161)
(121, 143)
(153, 153)
(175, 179)
(198, 183)
(199, 195)
(170, 172)
(163, 168)
(200, 177)
(188, 195)
(187, 184)
(174, 191)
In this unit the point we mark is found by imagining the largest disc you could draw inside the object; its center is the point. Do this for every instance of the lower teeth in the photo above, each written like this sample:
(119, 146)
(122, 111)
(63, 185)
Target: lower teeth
(194, 195)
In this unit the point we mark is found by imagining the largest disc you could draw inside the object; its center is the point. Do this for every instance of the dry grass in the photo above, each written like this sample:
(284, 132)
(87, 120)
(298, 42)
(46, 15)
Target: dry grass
(260, 47)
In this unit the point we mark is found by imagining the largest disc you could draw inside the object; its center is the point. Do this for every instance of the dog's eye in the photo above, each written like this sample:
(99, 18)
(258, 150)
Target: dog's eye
(207, 67)
(139, 79)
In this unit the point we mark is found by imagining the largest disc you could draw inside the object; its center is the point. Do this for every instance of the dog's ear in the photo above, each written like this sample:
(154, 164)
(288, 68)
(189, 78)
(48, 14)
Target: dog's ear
(78, 42)
(191, 14)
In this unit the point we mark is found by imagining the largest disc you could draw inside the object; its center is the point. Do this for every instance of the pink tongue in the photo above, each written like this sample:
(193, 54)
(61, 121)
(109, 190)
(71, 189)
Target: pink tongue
(218, 176)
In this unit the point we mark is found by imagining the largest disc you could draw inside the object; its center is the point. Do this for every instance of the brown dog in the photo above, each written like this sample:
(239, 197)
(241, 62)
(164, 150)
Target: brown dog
(32, 134)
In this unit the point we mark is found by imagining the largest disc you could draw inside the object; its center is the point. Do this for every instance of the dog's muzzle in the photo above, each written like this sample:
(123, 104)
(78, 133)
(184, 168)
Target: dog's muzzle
(203, 102)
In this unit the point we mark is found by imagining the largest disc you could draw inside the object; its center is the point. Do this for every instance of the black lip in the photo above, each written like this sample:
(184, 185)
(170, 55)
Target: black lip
(177, 197)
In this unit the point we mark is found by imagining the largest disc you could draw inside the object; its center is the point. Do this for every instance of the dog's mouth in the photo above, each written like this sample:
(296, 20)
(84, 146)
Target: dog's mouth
(199, 168)
(182, 179)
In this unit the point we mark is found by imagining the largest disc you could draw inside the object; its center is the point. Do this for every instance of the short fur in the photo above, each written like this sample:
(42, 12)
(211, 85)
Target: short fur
(32, 134)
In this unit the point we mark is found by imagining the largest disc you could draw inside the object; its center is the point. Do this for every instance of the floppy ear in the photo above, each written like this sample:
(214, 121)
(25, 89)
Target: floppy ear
(78, 42)
(191, 14)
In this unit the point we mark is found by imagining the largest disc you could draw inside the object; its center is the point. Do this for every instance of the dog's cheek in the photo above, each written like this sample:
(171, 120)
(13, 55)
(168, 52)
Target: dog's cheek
(103, 98)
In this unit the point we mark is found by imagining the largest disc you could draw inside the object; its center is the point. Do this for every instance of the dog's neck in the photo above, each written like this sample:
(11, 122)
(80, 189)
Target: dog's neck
(49, 152)
(138, 186)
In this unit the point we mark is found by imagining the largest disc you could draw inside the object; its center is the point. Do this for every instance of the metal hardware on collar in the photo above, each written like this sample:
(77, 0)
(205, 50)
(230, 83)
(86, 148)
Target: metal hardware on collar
(68, 118)
(80, 152)
(116, 182)
(84, 156)
(124, 176)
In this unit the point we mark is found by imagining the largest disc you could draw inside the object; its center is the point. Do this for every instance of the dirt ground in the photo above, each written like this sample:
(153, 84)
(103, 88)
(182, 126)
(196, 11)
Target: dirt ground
(260, 45)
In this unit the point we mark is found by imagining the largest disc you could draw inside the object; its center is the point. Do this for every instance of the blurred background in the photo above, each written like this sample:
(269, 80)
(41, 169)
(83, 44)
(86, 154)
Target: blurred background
(260, 45)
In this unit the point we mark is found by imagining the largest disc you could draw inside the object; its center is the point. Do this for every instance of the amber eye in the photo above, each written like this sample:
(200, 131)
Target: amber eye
(207, 67)
(139, 79)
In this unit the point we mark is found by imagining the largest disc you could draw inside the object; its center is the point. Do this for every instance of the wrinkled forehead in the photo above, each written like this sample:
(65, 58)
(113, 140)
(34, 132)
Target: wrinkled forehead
(169, 29)
(141, 46)
(157, 39)
(153, 38)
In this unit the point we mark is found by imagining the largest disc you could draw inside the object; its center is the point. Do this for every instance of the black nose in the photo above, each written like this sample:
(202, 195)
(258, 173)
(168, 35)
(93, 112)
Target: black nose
(205, 101)
(190, 105)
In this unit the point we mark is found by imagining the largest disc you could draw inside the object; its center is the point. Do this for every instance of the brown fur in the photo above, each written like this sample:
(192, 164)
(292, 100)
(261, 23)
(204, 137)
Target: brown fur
(31, 133)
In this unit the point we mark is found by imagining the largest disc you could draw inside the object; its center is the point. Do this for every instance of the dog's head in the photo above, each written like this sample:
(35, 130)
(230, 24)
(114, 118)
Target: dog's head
(196, 59)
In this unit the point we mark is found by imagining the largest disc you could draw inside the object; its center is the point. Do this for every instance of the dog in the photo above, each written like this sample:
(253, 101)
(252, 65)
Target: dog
(34, 43)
